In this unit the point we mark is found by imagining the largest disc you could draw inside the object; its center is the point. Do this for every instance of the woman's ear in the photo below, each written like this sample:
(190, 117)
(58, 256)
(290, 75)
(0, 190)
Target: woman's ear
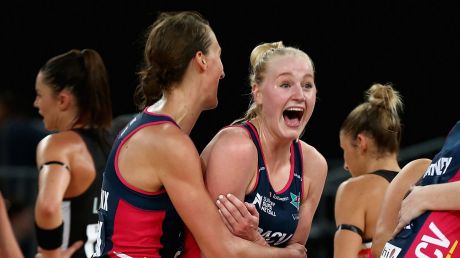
(65, 99)
(362, 141)
(256, 94)
(200, 60)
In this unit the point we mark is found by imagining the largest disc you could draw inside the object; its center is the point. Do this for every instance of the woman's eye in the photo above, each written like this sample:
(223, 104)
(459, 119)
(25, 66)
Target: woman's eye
(308, 85)
(285, 85)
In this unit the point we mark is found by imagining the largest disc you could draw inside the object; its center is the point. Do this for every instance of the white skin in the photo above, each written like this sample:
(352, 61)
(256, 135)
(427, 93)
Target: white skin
(154, 157)
(388, 217)
(426, 198)
(56, 182)
(230, 159)
(351, 205)
(9, 247)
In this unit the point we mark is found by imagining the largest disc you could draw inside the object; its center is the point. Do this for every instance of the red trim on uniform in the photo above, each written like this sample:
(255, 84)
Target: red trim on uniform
(266, 169)
(301, 167)
(257, 167)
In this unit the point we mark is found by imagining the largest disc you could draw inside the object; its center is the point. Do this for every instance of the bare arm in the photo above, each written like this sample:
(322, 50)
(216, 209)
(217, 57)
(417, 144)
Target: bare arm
(426, 198)
(314, 177)
(9, 247)
(394, 194)
(231, 164)
(53, 181)
(189, 195)
(348, 211)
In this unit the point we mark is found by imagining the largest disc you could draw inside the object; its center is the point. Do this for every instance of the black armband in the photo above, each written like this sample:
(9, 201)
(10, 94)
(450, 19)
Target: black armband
(49, 239)
(352, 228)
(54, 162)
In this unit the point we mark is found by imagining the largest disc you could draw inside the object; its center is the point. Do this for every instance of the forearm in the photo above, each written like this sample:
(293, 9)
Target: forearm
(249, 249)
(429, 196)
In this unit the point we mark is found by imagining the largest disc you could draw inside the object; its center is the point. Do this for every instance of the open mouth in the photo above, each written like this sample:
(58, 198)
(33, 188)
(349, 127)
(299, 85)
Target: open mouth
(292, 116)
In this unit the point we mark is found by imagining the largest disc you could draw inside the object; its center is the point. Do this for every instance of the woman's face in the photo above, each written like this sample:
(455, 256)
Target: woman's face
(47, 103)
(287, 95)
(216, 72)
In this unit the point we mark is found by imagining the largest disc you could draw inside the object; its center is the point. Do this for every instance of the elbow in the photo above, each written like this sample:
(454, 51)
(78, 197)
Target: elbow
(46, 209)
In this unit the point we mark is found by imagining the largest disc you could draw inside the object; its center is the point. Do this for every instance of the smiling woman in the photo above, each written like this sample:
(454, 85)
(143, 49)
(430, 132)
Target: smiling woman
(260, 158)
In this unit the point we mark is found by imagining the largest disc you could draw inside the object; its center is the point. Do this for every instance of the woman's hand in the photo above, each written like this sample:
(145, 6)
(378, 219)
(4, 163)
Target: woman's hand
(241, 218)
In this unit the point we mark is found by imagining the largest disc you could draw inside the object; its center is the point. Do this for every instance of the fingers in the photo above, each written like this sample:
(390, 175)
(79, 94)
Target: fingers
(231, 203)
(397, 229)
(227, 215)
(401, 224)
(242, 219)
(238, 204)
(252, 209)
(224, 219)
(74, 247)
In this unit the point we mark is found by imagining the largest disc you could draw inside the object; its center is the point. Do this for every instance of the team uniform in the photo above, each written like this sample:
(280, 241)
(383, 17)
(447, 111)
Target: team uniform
(434, 233)
(133, 222)
(80, 213)
(365, 251)
(278, 211)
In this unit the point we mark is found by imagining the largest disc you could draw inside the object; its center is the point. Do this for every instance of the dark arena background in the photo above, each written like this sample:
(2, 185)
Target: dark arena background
(414, 46)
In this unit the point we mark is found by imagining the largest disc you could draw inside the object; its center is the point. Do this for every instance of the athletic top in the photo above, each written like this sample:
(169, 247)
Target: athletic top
(80, 213)
(365, 251)
(434, 233)
(278, 211)
(387, 174)
(133, 222)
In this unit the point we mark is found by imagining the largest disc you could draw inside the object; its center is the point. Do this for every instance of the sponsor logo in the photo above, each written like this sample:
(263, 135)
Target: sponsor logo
(390, 251)
(265, 204)
(275, 238)
(438, 168)
(432, 243)
(295, 200)
(283, 199)
(104, 198)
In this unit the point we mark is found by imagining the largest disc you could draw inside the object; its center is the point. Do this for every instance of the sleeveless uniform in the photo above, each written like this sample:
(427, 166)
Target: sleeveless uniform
(278, 211)
(80, 213)
(133, 222)
(434, 233)
(366, 246)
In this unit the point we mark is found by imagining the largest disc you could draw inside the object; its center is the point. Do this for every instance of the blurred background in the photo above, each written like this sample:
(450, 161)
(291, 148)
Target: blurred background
(414, 46)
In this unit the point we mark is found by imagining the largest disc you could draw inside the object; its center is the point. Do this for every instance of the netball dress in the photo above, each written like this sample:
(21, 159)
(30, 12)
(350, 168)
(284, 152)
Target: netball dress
(133, 222)
(278, 210)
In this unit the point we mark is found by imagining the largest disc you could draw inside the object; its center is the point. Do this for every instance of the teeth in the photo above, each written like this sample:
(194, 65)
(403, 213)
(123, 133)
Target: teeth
(294, 109)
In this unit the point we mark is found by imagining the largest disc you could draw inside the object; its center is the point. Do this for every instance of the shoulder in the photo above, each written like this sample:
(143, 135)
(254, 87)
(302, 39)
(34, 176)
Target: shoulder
(163, 138)
(408, 176)
(233, 139)
(312, 158)
(413, 170)
(61, 140)
(350, 195)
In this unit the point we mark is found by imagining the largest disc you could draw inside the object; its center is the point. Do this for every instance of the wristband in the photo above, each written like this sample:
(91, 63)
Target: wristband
(49, 239)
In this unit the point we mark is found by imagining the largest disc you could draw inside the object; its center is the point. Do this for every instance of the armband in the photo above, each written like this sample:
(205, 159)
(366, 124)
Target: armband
(49, 239)
(54, 162)
(352, 228)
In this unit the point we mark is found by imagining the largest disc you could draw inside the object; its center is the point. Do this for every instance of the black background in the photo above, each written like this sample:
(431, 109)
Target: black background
(412, 45)
(415, 46)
